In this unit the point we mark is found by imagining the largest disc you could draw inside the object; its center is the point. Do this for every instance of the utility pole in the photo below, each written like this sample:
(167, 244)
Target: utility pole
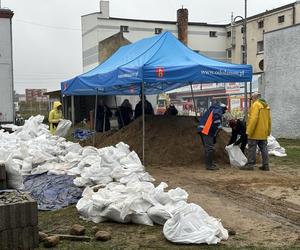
(245, 60)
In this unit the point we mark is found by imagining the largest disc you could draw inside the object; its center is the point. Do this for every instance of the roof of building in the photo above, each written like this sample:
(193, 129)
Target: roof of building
(202, 23)
(155, 21)
(270, 11)
(6, 13)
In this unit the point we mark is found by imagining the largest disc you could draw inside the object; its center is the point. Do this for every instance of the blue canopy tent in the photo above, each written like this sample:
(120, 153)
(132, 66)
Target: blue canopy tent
(151, 66)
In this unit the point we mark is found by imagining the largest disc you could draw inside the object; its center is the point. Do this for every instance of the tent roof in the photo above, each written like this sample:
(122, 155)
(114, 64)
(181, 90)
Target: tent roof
(162, 62)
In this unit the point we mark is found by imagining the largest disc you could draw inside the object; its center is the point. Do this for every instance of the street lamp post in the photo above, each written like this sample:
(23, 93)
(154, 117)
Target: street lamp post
(244, 19)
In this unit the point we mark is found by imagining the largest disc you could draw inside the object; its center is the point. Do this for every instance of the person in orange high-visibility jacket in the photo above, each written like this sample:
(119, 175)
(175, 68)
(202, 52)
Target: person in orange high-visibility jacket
(209, 125)
(258, 130)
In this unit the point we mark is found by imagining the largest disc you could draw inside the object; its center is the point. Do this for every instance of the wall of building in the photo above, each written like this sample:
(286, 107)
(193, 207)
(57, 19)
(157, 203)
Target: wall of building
(281, 86)
(6, 67)
(98, 26)
(256, 34)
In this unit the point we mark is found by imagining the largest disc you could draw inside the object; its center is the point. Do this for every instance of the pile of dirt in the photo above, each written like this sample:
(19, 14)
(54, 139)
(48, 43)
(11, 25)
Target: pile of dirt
(169, 140)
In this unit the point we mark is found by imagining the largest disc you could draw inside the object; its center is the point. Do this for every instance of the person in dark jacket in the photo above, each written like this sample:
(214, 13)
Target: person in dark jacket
(124, 114)
(208, 128)
(238, 129)
(171, 110)
(138, 111)
(102, 118)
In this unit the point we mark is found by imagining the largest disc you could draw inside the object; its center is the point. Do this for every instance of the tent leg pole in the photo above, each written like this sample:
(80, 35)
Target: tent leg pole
(143, 112)
(95, 118)
(73, 110)
(246, 102)
(192, 91)
(119, 111)
(104, 120)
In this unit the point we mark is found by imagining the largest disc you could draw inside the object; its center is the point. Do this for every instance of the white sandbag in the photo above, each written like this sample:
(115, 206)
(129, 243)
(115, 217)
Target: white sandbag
(27, 165)
(141, 219)
(121, 146)
(82, 182)
(159, 214)
(236, 156)
(132, 162)
(159, 194)
(63, 128)
(74, 148)
(134, 204)
(13, 172)
(178, 194)
(113, 213)
(73, 157)
(89, 151)
(192, 225)
(274, 147)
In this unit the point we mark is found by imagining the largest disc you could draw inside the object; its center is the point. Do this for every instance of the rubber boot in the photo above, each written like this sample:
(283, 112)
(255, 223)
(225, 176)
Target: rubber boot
(248, 167)
(265, 168)
(209, 162)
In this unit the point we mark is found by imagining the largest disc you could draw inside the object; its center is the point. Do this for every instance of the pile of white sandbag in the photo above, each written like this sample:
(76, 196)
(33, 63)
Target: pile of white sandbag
(125, 192)
(274, 147)
(141, 202)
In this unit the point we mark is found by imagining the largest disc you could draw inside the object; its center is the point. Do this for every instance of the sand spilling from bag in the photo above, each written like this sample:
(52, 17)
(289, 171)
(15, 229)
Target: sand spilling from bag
(169, 140)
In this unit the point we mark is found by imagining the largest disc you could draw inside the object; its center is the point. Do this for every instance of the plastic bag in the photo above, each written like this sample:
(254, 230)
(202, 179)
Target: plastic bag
(63, 128)
(192, 225)
(236, 156)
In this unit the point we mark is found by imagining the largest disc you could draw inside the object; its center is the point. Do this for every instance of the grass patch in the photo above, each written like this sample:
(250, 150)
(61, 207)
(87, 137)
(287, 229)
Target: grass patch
(292, 148)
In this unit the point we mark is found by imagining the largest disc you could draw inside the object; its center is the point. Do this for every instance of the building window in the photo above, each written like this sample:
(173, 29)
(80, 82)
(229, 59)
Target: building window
(281, 19)
(213, 34)
(260, 46)
(124, 28)
(229, 53)
(228, 33)
(158, 30)
(261, 24)
(261, 65)
(242, 30)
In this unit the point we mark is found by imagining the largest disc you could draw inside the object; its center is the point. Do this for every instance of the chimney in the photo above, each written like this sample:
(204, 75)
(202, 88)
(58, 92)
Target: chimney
(104, 9)
(182, 24)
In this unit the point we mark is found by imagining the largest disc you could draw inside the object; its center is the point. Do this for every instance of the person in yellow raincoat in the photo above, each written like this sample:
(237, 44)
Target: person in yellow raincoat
(258, 130)
(54, 116)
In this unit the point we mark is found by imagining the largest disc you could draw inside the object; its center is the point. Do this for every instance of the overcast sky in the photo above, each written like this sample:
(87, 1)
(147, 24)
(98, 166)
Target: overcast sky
(47, 35)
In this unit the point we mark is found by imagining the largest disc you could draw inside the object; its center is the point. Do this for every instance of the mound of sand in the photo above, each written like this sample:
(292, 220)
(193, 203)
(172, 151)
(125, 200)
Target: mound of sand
(169, 140)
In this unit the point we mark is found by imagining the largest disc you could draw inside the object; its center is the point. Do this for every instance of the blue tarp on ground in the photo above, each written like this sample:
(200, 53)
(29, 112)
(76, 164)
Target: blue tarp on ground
(52, 192)
(82, 134)
(162, 62)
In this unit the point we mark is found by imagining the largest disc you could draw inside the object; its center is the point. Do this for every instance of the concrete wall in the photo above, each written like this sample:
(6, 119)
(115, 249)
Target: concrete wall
(6, 75)
(110, 45)
(282, 85)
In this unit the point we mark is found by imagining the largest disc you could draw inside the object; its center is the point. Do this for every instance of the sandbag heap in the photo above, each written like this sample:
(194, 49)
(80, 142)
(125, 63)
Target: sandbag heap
(125, 192)
(141, 202)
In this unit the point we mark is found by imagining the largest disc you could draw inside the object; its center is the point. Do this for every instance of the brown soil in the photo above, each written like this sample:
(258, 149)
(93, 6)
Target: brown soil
(169, 140)
(244, 201)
